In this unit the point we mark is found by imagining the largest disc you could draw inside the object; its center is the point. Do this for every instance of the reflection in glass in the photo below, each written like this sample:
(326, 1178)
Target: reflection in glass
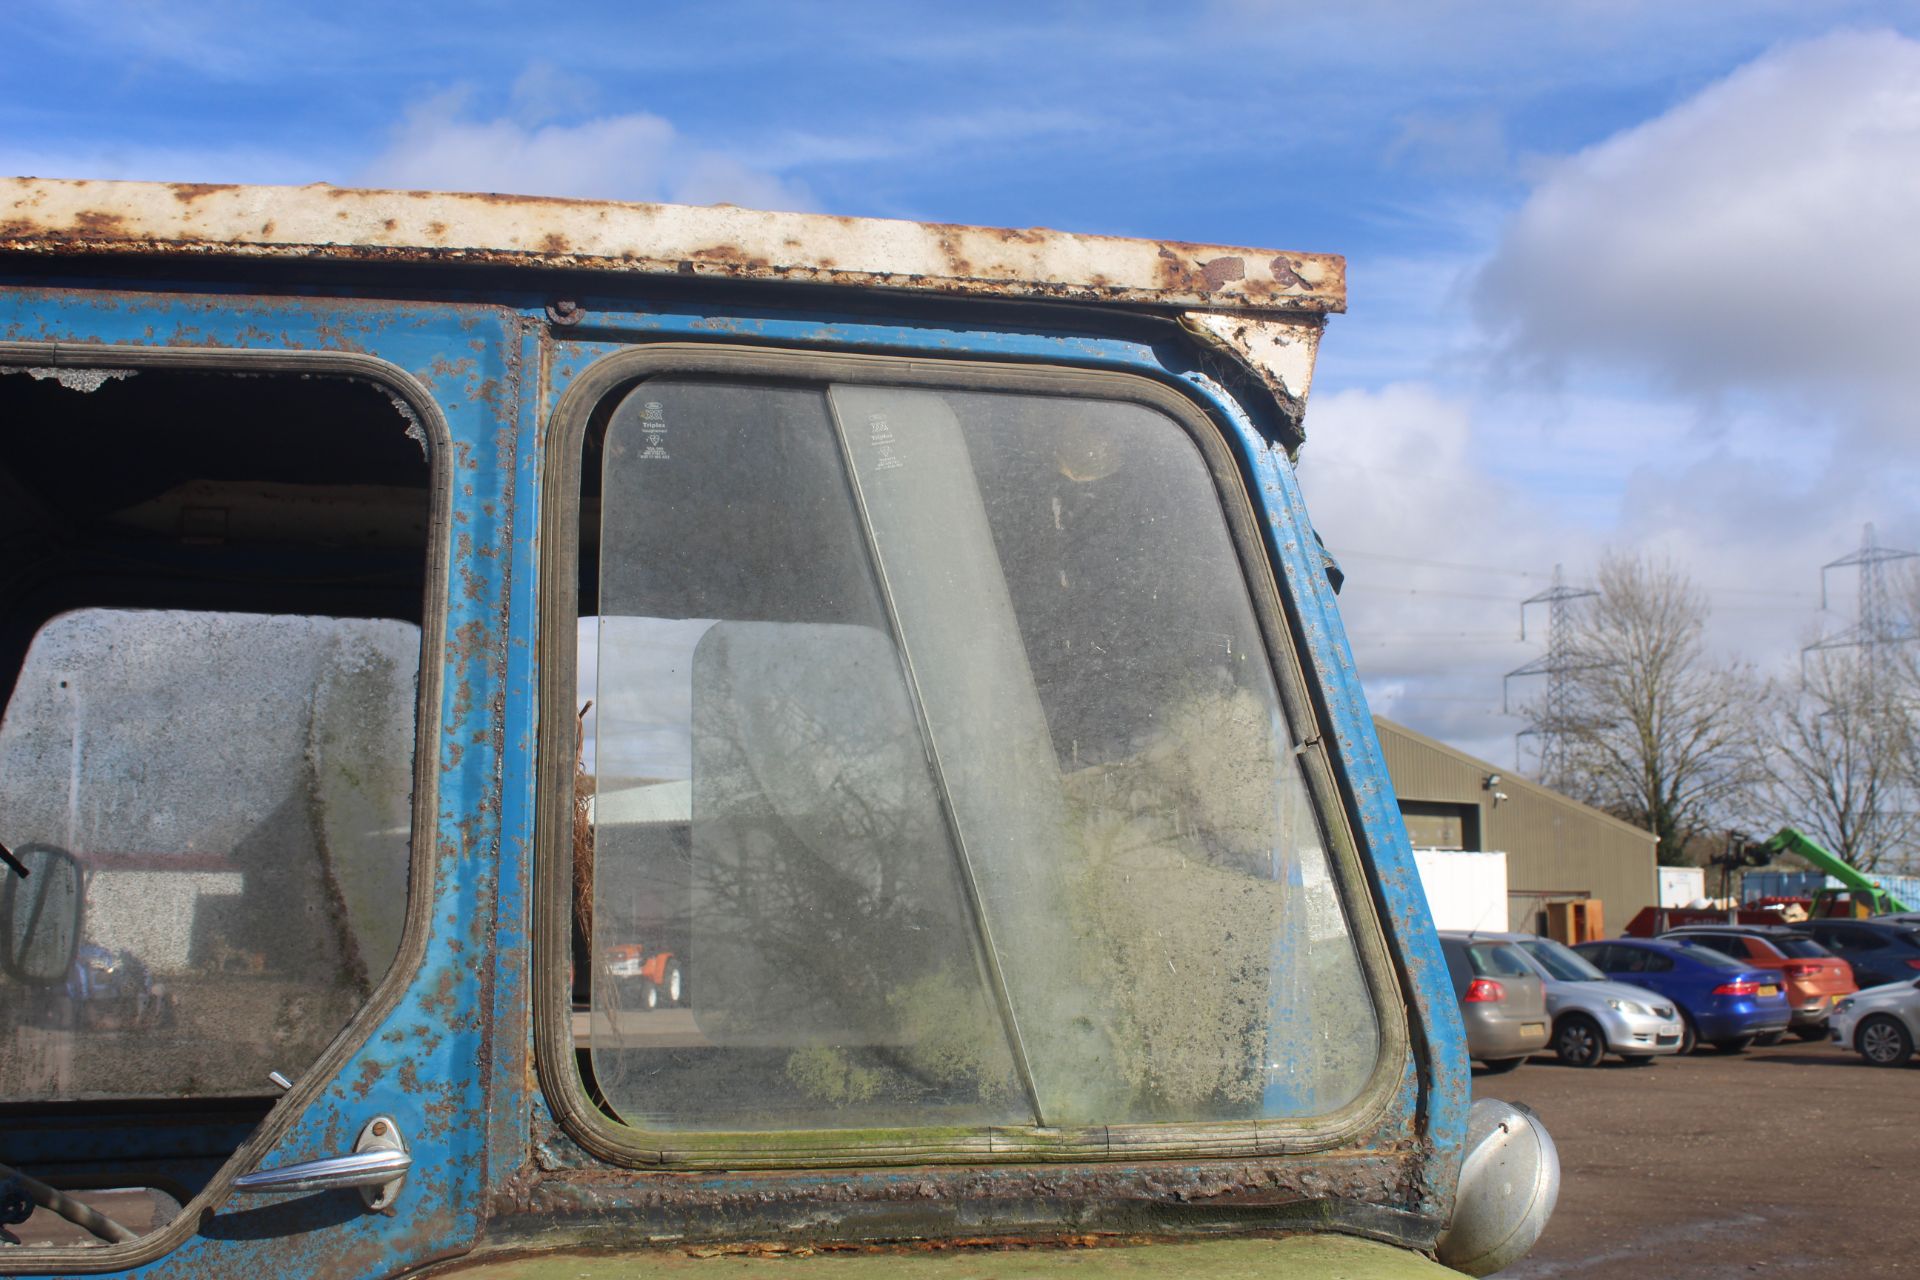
(937, 750)
(236, 790)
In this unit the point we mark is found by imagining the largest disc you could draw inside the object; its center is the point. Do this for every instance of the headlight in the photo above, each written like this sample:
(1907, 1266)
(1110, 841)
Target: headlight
(1845, 1004)
(1626, 1006)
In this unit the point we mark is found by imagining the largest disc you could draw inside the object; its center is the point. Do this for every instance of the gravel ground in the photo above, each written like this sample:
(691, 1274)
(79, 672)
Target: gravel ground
(1798, 1160)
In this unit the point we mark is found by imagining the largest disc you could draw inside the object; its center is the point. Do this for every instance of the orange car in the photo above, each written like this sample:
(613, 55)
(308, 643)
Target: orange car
(1815, 978)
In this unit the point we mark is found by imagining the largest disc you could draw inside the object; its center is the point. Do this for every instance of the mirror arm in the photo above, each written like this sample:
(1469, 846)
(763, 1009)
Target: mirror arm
(84, 1216)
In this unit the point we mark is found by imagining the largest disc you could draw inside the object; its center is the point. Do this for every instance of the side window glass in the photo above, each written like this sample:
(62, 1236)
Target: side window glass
(939, 776)
(1654, 962)
(236, 789)
(1629, 960)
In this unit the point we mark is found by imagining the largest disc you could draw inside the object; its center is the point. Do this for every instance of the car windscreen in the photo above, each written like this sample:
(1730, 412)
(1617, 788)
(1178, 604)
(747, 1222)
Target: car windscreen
(1497, 960)
(1560, 961)
(1800, 948)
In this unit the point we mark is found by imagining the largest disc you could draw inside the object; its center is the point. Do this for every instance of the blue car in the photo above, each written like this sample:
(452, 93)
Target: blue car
(1722, 1001)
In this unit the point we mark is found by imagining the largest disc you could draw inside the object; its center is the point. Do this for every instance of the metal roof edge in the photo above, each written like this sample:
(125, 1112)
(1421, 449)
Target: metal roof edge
(53, 216)
(1509, 777)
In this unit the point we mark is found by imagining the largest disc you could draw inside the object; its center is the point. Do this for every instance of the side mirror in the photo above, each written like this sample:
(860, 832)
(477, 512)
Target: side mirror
(40, 915)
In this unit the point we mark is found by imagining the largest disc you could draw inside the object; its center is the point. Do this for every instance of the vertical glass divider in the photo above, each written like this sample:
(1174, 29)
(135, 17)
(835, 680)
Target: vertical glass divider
(989, 952)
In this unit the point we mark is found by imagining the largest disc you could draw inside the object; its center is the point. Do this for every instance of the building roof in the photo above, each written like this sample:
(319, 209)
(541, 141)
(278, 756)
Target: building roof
(1511, 781)
(58, 216)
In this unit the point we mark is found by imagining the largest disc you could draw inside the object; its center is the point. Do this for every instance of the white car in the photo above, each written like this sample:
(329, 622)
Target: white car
(1881, 1023)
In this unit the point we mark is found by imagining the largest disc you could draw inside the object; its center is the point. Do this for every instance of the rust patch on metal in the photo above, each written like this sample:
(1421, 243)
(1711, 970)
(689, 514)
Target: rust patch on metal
(188, 192)
(1221, 270)
(96, 224)
(1284, 273)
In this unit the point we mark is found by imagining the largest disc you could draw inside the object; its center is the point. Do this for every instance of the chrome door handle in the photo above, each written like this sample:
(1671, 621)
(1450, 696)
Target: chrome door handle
(377, 1166)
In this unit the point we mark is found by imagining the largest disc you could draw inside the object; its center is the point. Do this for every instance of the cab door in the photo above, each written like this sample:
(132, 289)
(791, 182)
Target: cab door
(232, 716)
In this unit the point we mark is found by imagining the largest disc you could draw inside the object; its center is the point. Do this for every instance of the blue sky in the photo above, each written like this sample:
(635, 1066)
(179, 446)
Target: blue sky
(1623, 275)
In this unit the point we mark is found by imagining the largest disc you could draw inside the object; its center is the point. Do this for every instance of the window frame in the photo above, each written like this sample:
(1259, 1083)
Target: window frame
(313, 1084)
(587, 399)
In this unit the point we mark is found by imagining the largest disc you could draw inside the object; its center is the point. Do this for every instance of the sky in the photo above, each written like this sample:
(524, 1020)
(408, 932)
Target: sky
(1624, 277)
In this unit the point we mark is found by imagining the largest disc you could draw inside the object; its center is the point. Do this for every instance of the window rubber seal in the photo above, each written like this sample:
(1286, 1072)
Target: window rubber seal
(579, 407)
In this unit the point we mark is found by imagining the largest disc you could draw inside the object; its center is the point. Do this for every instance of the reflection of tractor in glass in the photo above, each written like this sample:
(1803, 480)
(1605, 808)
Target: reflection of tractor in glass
(645, 980)
(112, 990)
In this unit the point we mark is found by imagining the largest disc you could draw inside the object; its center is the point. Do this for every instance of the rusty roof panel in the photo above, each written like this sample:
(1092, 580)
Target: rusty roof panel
(61, 216)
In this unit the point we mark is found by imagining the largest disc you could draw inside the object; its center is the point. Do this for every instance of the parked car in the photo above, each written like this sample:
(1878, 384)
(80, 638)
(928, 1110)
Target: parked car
(1880, 951)
(1591, 1014)
(1815, 978)
(1503, 1002)
(1881, 1023)
(1722, 1002)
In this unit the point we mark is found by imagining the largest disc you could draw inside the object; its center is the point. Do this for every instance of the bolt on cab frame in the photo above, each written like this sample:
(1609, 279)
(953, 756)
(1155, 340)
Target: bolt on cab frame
(637, 732)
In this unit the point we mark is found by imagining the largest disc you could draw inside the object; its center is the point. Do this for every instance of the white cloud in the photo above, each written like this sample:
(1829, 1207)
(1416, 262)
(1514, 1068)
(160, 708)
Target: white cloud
(1438, 553)
(440, 145)
(1759, 236)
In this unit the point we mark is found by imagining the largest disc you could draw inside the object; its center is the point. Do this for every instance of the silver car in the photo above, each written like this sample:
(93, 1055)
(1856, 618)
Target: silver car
(1882, 1023)
(1502, 1002)
(1594, 1015)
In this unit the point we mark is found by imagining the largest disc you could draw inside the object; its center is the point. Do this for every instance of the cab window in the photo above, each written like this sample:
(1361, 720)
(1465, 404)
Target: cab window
(932, 772)
(210, 648)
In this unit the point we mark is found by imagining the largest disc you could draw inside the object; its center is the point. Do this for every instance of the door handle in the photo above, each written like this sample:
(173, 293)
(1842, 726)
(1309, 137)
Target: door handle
(377, 1167)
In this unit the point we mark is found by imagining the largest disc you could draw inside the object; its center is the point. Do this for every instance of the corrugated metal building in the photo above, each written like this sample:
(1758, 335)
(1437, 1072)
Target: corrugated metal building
(1559, 851)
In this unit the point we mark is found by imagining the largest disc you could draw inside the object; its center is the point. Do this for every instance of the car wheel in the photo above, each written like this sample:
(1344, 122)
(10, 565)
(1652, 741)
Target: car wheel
(1768, 1039)
(649, 996)
(1579, 1042)
(672, 982)
(1689, 1034)
(1736, 1045)
(1500, 1066)
(1884, 1041)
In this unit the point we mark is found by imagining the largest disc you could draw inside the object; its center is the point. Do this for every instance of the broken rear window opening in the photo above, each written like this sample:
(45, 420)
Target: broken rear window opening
(933, 774)
(210, 634)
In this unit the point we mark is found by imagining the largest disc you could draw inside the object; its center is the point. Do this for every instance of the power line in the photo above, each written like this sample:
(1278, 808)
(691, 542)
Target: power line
(1877, 627)
(1384, 589)
(1774, 593)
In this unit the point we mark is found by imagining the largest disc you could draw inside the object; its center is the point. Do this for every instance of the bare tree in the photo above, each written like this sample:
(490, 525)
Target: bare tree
(1658, 732)
(1839, 758)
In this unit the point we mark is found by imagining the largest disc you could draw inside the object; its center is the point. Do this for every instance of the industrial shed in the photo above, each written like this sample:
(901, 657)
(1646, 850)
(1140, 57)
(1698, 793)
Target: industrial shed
(1571, 869)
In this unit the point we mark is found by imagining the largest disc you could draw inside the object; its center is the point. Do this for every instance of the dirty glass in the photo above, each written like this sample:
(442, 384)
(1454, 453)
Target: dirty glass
(938, 775)
(237, 791)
